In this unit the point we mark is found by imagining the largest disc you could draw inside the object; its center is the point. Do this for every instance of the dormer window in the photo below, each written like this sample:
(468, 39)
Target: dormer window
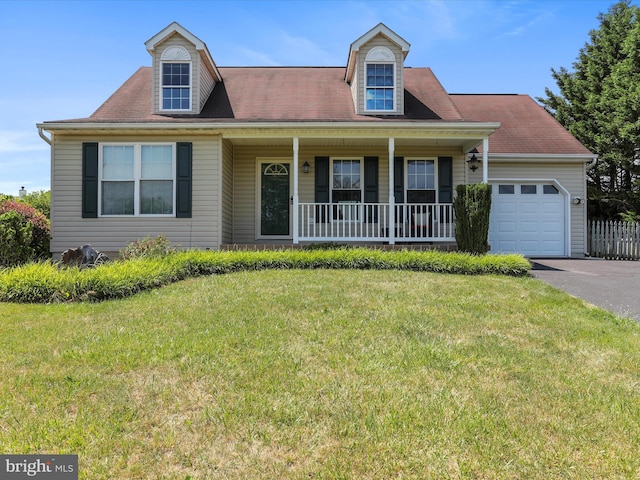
(176, 79)
(184, 73)
(380, 87)
(176, 86)
(380, 80)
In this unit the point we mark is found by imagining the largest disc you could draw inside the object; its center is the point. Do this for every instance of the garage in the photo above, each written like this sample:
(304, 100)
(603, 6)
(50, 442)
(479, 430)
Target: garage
(528, 218)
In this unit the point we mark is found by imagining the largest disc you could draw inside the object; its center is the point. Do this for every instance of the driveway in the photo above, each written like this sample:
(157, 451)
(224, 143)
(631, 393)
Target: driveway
(611, 284)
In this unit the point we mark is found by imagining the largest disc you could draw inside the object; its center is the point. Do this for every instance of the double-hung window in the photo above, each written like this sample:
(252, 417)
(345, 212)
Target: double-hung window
(347, 188)
(176, 86)
(137, 179)
(380, 87)
(421, 181)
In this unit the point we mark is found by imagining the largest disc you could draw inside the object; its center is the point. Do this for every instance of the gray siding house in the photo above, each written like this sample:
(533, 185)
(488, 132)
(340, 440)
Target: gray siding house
(370, 152)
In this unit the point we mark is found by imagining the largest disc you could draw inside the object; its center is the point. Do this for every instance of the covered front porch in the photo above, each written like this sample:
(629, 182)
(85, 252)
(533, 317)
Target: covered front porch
(351, 186)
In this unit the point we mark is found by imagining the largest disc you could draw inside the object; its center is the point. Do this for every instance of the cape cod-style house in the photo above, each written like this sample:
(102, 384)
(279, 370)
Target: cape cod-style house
(369, 152)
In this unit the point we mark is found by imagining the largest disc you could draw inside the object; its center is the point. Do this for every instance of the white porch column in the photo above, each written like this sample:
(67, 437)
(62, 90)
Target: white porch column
(392, 201)
(294, 221)
(485, 160)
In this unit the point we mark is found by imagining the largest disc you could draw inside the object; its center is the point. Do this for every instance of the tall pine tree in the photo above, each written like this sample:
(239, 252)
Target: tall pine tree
(599, 103)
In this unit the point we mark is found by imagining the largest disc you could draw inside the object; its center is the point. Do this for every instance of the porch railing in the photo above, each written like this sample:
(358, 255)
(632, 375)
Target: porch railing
(367, 222)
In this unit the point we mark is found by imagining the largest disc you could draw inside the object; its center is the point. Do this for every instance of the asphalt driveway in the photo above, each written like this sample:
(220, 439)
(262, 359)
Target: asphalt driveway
(611, 284)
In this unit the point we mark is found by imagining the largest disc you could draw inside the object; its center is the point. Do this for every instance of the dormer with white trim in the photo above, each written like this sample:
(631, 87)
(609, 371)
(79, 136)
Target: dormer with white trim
(375, 72)
(184, 74)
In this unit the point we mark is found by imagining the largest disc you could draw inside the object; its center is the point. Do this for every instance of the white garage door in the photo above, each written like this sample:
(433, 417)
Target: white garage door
(527, 218)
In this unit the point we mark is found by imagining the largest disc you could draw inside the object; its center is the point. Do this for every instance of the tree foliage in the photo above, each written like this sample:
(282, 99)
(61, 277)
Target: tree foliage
(40, 200)
(599, 103)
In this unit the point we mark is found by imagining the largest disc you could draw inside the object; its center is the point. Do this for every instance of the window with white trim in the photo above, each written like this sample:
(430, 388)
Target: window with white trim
(421, 181)
(346, 183)
(137, 179)
(346, 188)
(176, 86)
(380, 87)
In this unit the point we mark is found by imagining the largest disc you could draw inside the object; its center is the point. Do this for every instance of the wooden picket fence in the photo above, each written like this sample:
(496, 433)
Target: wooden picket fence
(614, 240)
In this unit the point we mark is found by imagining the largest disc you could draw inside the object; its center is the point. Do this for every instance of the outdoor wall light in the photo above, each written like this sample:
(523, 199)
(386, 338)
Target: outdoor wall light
(577, 200)
(306, 167)
(473, 163)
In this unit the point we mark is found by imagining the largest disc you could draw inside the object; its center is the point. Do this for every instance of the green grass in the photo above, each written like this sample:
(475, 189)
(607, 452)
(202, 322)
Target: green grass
(46, 282)
(326, 374)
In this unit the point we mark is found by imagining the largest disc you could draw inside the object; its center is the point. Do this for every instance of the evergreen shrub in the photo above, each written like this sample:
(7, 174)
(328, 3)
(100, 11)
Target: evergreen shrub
(472, 206)
(15, 239)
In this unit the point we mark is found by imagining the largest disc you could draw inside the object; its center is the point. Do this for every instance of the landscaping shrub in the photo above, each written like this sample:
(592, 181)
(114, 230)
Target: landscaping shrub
(40, 230)
(44, 282)
(40, 200)
(326, 246)
(15, 239)
(147, 247)
(472, 206)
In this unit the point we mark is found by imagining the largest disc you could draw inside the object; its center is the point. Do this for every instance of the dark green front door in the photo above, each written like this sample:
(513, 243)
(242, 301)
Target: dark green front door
(274, 199)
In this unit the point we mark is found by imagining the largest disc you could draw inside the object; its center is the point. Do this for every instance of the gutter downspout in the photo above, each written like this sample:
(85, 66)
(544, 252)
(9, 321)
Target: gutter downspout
(43, 136)
(593, 162)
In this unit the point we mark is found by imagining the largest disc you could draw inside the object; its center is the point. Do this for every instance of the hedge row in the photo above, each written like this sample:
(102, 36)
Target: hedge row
(45, 282)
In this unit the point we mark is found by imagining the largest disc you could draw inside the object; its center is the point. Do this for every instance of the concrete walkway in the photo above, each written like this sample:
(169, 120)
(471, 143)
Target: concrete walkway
(611, 284)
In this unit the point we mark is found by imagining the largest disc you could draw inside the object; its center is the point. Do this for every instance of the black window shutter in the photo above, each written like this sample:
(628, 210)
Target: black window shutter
(371, 186)
(183, 179)
(445, 179)
(322, 186)
(398, 179)
(322, 180)
(89, 180)
(370, 179)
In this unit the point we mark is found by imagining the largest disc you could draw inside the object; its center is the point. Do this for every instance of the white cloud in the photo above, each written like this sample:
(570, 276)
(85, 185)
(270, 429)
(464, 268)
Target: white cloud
(518, 18)
(436, 17)
(24, 169)
(288, 50)
(303, 51)
(12, 141)
(249, 57)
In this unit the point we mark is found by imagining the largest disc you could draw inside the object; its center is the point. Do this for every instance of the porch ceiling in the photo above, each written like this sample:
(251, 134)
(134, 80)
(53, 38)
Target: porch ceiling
(464, 144)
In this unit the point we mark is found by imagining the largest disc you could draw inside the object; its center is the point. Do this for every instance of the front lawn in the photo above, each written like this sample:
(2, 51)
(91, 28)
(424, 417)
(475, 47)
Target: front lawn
(326, 374)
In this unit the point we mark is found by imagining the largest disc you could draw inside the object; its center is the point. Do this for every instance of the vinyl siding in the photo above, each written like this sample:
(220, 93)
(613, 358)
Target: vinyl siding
(177, 40)
(354, 89)
(111, 234)
(570, 176)
(227, 192)
(361, 74)
(206, 84)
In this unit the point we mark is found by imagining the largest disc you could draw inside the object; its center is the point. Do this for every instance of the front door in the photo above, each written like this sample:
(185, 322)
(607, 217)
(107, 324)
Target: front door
(275, 205)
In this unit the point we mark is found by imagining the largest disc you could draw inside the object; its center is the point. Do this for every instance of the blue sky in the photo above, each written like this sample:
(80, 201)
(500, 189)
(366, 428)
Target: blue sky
(64, 58)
